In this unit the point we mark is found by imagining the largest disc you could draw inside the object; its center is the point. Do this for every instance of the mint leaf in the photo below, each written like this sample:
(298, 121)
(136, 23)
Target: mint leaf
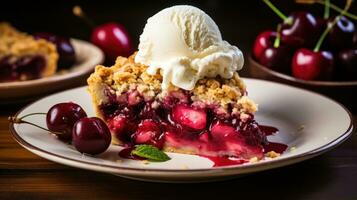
(150, 152)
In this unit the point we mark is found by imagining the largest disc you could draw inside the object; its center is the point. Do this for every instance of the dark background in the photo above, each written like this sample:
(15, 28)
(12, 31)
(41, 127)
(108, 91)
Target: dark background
(239, 21)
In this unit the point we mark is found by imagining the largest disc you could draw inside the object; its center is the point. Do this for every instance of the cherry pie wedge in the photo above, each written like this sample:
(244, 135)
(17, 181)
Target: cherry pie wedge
(215, 119)
(24, 58)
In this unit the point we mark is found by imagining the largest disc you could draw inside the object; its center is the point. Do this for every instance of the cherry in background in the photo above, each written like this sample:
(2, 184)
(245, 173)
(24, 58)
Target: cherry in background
(312, 65)
(65, 49)
(300, 29)
(61, 118)
(342, 34)
(112, 38)
(277, 57)
(315, 64)
(91, 135)
(262, 42)
(322, 24)
(347, 64)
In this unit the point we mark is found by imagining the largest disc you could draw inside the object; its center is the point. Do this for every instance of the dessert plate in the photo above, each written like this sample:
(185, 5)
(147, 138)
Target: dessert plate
(87, 56)
(310, 124)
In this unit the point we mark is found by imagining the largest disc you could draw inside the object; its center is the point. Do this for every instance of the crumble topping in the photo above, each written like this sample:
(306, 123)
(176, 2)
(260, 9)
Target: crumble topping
(17, 44)
(272, 154)
(126, 75)
(254, 160)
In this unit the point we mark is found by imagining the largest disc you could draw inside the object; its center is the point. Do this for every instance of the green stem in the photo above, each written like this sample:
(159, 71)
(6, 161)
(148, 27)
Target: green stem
(21, 121)
(277, 11)
(336, 8)
(322, 37)
(278, 37)
(327, 9)
(330, 26)
(32, 114)
(331, 5)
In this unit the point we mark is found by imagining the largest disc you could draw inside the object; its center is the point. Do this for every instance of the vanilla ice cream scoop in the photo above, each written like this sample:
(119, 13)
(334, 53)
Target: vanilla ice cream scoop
(186, 44)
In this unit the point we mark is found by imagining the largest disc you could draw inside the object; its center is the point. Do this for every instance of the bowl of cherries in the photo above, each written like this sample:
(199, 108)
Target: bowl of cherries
(306, 51)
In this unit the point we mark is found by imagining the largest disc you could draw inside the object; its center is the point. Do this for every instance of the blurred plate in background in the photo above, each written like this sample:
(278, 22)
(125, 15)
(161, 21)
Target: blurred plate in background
(342, 91)
(87, 56)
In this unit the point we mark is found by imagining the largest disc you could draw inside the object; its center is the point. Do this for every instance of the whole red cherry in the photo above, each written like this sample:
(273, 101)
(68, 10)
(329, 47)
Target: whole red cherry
(91, 135)
(341, 35)
(277, 58)
(264, 40)
(346, 67)
(311, 65)
(300, 30)
(62, 117)
(113, 39)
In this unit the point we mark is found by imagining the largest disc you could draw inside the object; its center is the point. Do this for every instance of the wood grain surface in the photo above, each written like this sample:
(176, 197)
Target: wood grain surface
(24, 175)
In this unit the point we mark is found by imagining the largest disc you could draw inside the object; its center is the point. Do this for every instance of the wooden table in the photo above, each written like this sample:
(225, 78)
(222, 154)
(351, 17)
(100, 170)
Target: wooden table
(24, 175)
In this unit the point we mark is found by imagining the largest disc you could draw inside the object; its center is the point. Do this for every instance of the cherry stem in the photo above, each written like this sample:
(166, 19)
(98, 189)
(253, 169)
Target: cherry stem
(20, 120)
(330, 26)
(278, 36)
(32, 114)
(327, 9)
(331, 5)
(278, 12)
(77, 11)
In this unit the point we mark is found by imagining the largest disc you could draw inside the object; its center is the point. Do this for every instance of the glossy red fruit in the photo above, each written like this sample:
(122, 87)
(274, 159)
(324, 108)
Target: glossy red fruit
(91, 136)
(346, 66)
(303, 32)
(122, 127)
(62, 117)
(341, 35)
(65, 49)
(220, 129)
(205, 136)
(263, 41)
(322, 24)
(278, 59)
(149, 132)
(189, 117)
(310, 65)
(113, 39)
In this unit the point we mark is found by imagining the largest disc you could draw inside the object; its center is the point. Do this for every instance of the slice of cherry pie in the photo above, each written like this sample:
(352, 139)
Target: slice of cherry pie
(24, 58)
(214, 119)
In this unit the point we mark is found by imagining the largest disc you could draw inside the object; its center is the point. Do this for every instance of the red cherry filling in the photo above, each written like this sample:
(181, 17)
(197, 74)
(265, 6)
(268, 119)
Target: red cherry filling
(190, 118)
(24, 68)
(149, 132)
(122, 127)
(177, 123)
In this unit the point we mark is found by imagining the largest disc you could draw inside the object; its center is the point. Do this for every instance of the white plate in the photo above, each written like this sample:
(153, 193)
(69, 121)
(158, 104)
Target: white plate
(87, 57)
(326, 124)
